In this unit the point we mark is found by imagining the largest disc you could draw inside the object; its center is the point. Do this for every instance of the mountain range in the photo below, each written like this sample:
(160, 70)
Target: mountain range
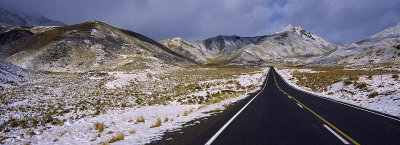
(94, 45)
(290, 42)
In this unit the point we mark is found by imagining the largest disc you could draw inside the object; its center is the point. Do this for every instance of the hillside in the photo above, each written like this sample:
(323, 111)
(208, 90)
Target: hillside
(12, 74)
(10, 19)
(88, 46)
(383, 47)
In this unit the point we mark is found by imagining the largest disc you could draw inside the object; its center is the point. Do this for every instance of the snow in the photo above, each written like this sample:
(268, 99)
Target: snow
(123, 79)
(81, 131)
(388, 88)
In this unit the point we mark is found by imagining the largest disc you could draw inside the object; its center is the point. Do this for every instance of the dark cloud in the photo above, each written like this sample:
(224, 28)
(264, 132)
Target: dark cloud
(338, 21)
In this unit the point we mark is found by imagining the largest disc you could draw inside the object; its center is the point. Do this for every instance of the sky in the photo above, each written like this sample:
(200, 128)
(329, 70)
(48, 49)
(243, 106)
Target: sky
(337, 21)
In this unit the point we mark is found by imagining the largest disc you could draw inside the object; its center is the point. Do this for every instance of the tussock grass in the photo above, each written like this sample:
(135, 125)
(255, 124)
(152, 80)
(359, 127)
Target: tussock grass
(186, 113)
(140, 119)
(217, 109)
(166, 119)
(133, 131)
(361, 85)
(118, 137)
(373, 94)
(99, 126)
(327, 76)
(157, 123)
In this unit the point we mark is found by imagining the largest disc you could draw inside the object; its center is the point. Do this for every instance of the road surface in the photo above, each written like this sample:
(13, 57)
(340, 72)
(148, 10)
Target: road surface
(280, 114)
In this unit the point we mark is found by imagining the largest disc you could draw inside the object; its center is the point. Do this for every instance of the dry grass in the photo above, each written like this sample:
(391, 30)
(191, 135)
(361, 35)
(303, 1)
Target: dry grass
(140, 119)
(132, 131)
(217, 109)
(118, 137)
(54, 98)
(186, 113)
(99, 126)
(157, 123)
(166, 119)
(326, 76)
(373, 94)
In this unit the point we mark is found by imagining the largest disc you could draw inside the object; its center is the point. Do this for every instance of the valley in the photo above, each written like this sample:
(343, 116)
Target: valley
(94, 83)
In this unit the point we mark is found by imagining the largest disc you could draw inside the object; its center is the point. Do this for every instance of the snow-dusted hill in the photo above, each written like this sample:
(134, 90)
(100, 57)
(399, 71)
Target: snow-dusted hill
(88, 46)
(383, 47)
(10, 19)
(292, 41)
(11, 73)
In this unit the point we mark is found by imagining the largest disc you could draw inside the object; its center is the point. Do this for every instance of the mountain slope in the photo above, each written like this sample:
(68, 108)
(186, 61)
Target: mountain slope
(11, 19)
(383, 47)
(292, 41)
(12, 73)
(89, 46)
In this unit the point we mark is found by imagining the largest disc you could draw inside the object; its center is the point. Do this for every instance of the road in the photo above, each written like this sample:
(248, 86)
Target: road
(280, 114)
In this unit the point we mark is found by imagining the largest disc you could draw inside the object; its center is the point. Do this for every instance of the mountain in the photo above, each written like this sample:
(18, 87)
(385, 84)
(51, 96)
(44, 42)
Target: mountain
(290, 42)
(88, 46)
(383, 47)
(10, 19)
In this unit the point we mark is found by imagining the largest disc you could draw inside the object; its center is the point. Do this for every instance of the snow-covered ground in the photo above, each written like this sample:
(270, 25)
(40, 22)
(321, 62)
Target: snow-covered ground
(387, 87)
(75, 104)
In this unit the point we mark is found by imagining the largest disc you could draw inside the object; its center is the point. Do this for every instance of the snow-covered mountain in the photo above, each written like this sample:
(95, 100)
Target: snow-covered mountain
(383, 47)
(292, 41)
(88, 46)
(10, 19)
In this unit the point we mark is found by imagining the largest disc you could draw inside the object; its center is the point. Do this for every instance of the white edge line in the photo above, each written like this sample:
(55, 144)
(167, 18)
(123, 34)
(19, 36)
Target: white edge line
(227, 123)
(336, 101)
(299, 105)
(337, 135)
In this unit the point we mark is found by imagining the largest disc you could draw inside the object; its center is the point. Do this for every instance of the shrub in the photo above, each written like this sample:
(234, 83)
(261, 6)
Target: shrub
(395, 76)
(373, 94)
(157, 124)
(217, 109)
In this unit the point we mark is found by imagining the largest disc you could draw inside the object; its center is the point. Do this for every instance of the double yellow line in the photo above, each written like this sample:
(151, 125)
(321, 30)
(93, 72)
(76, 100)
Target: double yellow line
(327, 122)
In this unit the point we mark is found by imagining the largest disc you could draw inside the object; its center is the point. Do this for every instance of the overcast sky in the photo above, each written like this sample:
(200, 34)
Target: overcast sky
(337, 21)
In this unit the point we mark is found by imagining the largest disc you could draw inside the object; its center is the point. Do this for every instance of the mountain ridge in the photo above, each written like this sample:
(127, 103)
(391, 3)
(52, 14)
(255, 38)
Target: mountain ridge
(11, 19)
(87, 46)
(251, 50)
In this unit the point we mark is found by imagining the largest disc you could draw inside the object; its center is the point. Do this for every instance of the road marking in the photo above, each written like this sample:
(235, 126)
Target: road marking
(327, 122)
(233, 118)
(337, 135)
(339, 102)
(299, 105)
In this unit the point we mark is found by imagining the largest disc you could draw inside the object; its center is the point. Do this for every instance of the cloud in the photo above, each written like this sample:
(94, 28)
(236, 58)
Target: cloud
(338, 21)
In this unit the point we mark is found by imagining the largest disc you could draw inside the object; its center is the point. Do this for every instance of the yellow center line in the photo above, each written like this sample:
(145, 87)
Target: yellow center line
(327, 122)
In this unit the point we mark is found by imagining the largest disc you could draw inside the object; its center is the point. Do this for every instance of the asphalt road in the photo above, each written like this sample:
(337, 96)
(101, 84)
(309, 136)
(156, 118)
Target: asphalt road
(280, 114)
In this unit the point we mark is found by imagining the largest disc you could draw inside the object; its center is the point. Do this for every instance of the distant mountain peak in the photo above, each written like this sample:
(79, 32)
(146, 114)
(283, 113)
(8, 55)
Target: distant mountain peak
(292, 28)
